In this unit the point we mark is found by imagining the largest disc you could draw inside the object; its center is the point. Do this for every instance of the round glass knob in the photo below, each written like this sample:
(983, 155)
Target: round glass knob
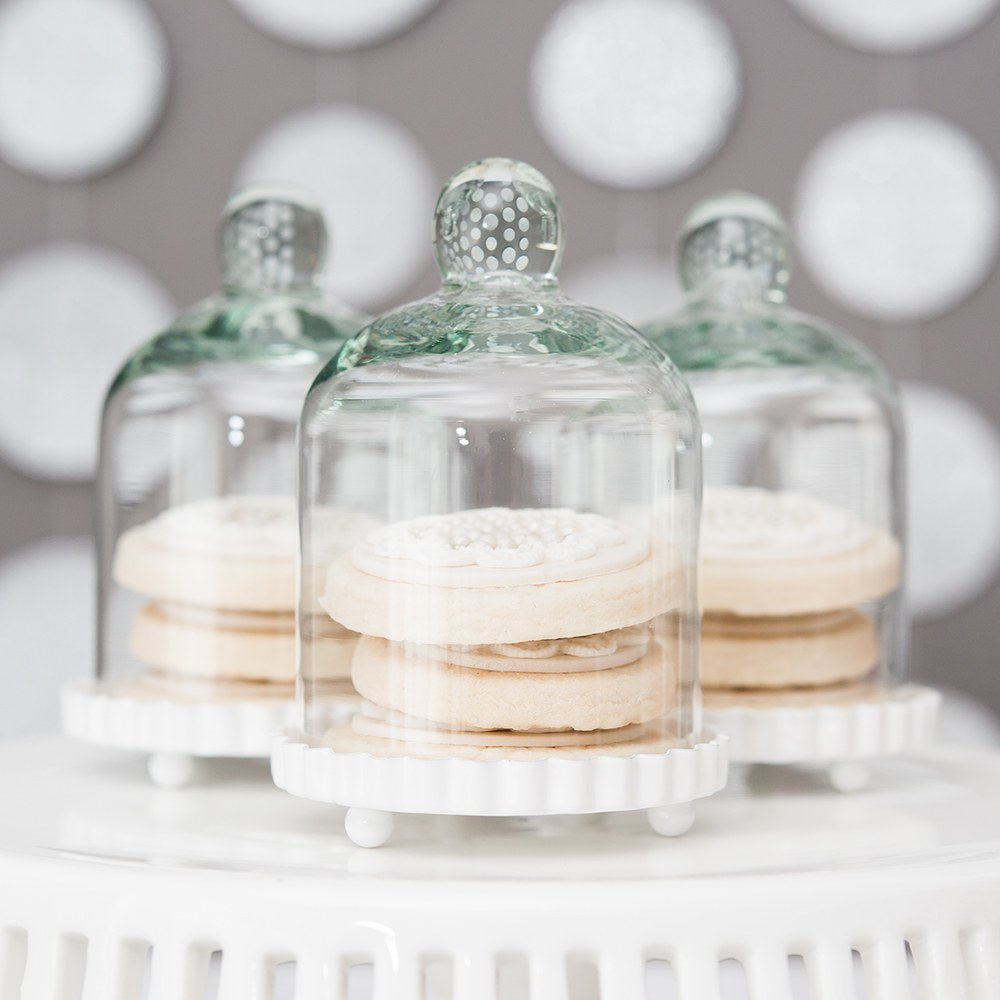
(271, 239)
(732, 247)
(498, 220)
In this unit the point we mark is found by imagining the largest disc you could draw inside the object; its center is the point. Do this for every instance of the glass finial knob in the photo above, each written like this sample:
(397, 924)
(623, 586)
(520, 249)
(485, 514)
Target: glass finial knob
(271, 239)
(734, 246)
(498, 219)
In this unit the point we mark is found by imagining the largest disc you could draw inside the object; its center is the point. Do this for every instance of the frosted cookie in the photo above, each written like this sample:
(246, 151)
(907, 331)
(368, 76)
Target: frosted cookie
(199, 642)
(797, 652)
(499, 575)
(234, 552)
(395, 677)
(771, 553)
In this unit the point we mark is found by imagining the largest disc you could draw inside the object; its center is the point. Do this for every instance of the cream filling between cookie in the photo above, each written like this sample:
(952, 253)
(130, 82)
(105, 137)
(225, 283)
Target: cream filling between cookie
(216, 619)
(600, 651)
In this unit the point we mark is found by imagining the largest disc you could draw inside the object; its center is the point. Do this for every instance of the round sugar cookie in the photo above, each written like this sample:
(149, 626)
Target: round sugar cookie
(772, 553)
(371, 720)
(501, 576)
(236, 552)
(346, 740)
(390, 676)
(196, 642)
(154, 685)
(797, 652)
(834, 695)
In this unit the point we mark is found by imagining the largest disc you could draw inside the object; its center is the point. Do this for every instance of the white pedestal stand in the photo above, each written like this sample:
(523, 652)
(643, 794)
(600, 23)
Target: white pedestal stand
(115, 890)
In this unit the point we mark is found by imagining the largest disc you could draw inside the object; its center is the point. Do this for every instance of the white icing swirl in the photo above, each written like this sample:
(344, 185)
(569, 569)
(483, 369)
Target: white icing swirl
(747, 523)
(238, 525)
(500, 546)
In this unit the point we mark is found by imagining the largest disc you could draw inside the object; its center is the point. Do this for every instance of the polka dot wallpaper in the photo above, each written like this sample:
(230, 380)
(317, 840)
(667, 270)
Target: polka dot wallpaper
(871, 123)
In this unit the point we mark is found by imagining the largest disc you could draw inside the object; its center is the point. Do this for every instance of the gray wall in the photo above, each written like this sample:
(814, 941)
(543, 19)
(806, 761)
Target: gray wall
(459, 80)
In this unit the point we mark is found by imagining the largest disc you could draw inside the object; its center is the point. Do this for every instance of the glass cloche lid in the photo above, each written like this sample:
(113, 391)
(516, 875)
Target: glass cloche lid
(525, 589)
(734, 263)
(498, 244)
(272, 243)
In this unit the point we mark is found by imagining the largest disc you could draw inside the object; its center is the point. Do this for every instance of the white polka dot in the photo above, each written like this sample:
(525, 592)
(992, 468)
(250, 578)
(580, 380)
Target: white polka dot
(81, 84)
(72, 314)
(953, 488)
(375, 185)
(896, 25)
(47, 622)
(635, 93)
(640, 288)
(897, 215)
(333, 24)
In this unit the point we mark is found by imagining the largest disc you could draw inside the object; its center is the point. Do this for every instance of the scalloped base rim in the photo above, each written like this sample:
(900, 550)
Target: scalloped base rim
(228, 728)
(455, 786)
(904, 720)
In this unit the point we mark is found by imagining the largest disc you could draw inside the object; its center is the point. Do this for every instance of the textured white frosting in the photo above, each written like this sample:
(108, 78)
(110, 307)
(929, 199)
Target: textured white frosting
(748, 523)
(500, 546)
(264, 526)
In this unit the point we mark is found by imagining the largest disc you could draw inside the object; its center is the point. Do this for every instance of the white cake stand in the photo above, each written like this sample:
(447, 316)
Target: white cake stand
(843, 737)
(113, 888)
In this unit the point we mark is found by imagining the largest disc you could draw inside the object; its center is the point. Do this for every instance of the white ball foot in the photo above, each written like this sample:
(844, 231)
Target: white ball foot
(672, 821)
(850, 776)
(170, 770)
(368, 827)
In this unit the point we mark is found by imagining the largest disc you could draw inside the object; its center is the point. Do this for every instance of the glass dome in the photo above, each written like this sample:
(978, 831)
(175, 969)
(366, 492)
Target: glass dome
(528, 468)
(802, 459)
(197, 477)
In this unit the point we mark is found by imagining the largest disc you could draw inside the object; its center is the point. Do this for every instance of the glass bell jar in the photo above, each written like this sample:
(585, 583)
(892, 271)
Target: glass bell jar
(197, 532)
(525, 589)
(803, 634)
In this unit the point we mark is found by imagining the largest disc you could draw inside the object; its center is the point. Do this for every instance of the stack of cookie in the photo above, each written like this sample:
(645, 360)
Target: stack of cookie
(220, 578)
(790, 593)
(507, 627)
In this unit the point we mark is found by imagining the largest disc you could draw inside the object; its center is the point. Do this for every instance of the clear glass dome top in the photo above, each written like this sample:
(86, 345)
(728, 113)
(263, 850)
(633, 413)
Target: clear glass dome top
(498, 242)
(802, 457)
(272, 244)
(734, 261)
(197, 477)
(522, 474)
